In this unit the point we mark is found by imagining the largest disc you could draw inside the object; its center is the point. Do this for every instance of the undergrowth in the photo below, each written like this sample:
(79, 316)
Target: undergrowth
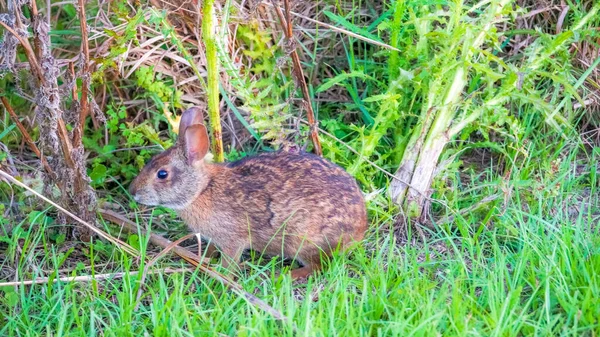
(510, 242)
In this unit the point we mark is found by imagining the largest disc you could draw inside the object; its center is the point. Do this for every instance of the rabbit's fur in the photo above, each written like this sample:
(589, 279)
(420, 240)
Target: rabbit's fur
(296, 205)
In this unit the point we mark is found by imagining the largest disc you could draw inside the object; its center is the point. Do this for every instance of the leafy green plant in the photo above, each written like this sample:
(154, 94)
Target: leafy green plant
(261, 87)
(161, 90)
(121, 39)
(114, 159)
(446, 79)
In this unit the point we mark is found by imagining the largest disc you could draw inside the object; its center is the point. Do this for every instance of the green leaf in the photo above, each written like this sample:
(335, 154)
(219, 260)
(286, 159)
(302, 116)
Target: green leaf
(34, 217)
(487, 70)
(60, 238)
(134, 241)
(351, 27)
(6, 131)
(342, 77)
(98, 173)
(376, 98)
(11, 298)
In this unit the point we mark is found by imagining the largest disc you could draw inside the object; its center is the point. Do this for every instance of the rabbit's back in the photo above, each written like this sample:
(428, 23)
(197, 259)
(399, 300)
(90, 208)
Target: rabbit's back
(281, 202)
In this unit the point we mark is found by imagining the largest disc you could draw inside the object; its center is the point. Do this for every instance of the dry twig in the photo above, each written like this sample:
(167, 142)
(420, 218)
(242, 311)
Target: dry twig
(26, 135)
(85, 75)
(89, 278)
(286, 24)
(35, 67)
(194, 260)
(156, 240)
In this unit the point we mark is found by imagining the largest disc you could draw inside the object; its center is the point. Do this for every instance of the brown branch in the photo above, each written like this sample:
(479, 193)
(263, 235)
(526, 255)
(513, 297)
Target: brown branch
(34, 9)
(37, 43)
(298, 73)
(73, 88)
(35, 67)
(288, 20)
(25, 134)
(63, 136)
(194, 260)
(85, 79)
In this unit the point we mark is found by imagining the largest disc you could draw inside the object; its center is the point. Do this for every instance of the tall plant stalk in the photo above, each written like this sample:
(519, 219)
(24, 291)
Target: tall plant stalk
(209, 35)
(420, 159)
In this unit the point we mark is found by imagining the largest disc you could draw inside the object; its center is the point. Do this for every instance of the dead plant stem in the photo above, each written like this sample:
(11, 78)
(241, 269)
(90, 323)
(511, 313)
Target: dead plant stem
(26, 135)
(85, 76)
(194, 260)
(35, 67)
(89, 278)
(286, 24)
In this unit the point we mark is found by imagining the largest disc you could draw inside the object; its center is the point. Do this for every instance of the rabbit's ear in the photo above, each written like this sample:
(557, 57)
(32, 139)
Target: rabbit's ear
(196, 143)
(191, 116)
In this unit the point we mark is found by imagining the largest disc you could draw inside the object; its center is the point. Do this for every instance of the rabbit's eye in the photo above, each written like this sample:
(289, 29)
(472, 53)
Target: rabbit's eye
(162, 174)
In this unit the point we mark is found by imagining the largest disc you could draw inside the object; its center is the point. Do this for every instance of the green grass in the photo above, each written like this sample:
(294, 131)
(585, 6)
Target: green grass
(533, 270)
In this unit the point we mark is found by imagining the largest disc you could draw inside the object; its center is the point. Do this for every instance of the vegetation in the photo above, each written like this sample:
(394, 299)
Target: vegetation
(471, 126)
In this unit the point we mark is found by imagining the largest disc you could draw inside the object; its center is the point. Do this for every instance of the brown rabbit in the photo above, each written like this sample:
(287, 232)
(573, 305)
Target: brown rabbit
(296, 205)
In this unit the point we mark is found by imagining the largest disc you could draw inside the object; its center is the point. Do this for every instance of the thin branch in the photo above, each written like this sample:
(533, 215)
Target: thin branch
(34, 9)
(193, 259)
(299, 74)
(65, 143)
(74, 87)
(85, 78)
(288, 19)
(26, 135)
(36, 42)
(89, 278)
(155, 239)
(33, 63)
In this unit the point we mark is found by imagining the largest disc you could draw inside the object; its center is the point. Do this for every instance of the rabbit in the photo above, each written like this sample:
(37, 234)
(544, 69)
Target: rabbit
(287, 203)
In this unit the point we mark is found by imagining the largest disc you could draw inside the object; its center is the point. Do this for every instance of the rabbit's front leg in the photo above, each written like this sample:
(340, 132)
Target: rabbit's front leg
(231, 255)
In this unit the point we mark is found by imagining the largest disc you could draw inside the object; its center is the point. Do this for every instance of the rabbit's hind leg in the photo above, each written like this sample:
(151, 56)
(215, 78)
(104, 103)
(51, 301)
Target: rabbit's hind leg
(310, 265)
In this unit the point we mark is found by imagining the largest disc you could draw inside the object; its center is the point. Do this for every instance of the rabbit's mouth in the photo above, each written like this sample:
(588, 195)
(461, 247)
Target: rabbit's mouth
(150, 198)
(146, 199)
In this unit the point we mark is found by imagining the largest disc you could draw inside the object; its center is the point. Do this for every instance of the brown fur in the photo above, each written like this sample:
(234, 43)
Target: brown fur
(295, 205)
